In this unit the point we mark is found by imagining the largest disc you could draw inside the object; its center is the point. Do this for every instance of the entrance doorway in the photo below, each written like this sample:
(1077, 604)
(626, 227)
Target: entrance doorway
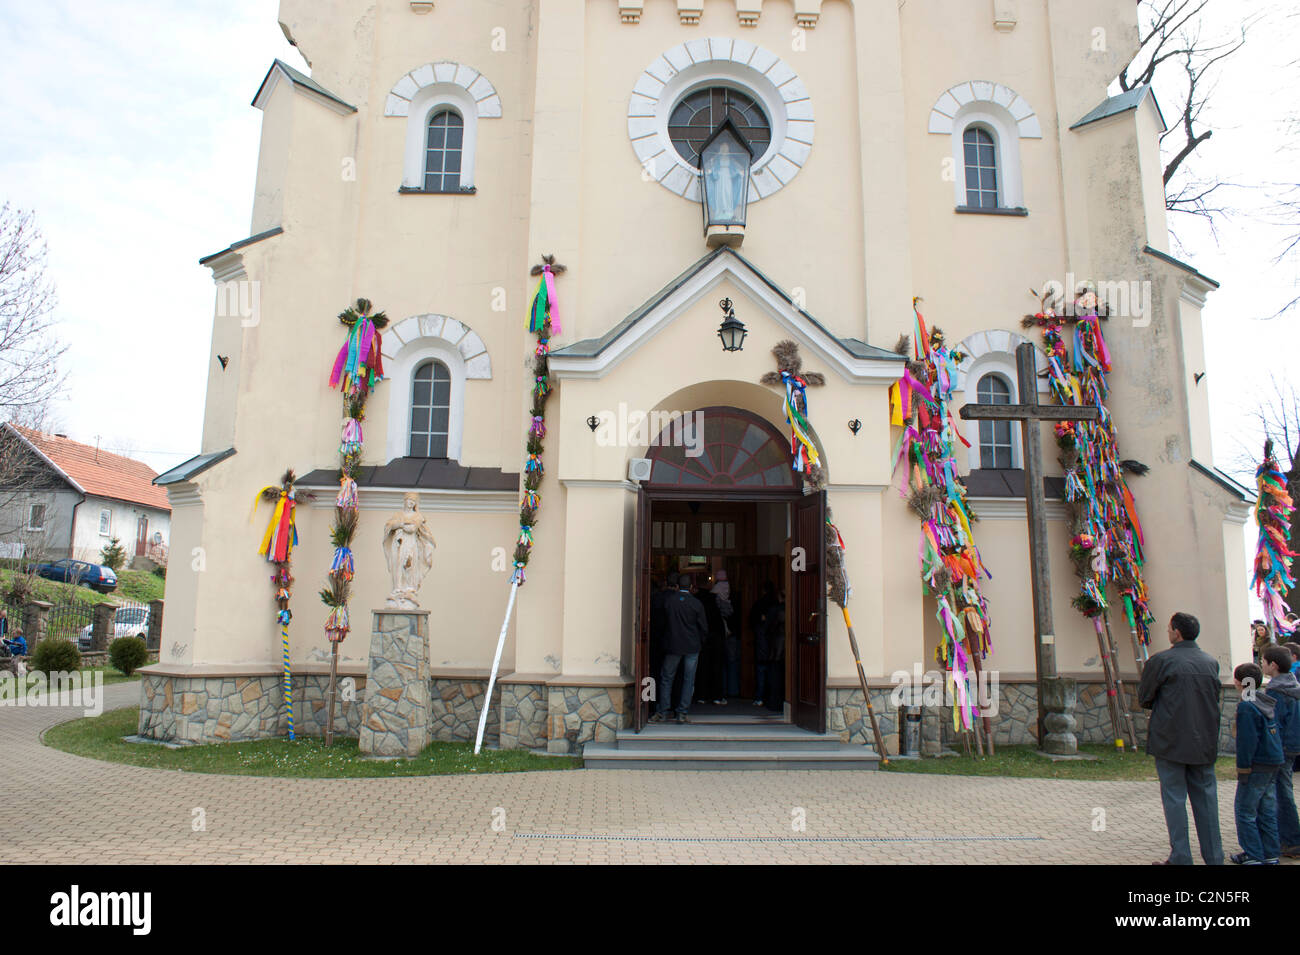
(726, 506)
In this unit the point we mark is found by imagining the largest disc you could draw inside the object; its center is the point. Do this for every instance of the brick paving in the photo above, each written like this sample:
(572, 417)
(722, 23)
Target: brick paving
(55, 807)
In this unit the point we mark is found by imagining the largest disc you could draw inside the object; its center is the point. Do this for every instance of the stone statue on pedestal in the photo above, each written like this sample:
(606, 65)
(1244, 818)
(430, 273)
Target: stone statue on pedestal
(408, 549)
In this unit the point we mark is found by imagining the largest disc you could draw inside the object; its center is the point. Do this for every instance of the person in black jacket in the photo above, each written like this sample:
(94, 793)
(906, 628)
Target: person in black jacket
(713, 660)
(687, 627)
(1181, 688)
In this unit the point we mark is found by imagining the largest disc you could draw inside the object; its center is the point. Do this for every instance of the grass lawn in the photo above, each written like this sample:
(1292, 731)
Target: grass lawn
(1023, 762)
(112, 676)
(100, 737)
(140, 586)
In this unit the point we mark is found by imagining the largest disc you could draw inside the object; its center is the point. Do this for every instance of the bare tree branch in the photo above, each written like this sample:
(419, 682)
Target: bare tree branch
(29, 350)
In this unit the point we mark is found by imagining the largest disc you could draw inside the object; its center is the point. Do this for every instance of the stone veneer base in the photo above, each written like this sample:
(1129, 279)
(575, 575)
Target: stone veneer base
(558, 718)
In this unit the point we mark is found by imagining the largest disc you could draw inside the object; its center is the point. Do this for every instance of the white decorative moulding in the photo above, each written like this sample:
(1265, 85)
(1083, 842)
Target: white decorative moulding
(747, 12)
(690, 11)
(954, 98)
(1004, 15)
(629, 11)
(723, 61)
(807, 13)
(421, 6)
(487, 103)
(455, 334)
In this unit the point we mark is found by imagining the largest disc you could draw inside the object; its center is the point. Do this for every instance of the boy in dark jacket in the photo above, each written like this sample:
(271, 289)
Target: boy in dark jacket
(1285, 689)
(1259, 757)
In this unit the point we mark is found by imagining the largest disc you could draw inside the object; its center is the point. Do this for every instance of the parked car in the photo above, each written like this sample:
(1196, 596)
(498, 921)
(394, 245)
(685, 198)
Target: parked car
(127, 622)
(79, 572)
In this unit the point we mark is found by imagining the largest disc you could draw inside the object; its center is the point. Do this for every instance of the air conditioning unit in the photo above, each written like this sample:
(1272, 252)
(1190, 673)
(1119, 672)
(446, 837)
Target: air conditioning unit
(638, 469)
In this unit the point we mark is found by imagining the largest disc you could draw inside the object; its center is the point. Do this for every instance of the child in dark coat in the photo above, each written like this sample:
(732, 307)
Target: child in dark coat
(1259, 758)
(1285, 689)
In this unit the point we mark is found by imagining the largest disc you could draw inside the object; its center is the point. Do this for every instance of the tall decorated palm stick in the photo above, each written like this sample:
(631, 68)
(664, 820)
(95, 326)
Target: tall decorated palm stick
(1273, 553)
(358, 367)
(789, 375)
(277, 547)
(951, 566)
(543, 322)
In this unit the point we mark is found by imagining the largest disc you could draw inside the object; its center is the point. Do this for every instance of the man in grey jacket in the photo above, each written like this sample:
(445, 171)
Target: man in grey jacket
(1181, 688)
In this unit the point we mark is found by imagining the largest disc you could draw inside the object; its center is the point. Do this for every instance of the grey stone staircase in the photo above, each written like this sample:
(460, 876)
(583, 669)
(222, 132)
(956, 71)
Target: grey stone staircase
(712, 746)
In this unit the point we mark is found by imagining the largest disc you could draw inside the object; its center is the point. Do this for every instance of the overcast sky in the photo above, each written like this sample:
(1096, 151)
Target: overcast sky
(129, 133)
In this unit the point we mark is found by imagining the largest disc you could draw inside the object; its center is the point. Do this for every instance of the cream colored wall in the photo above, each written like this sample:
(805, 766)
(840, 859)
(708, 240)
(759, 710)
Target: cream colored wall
(867, 223)
(1192, 335)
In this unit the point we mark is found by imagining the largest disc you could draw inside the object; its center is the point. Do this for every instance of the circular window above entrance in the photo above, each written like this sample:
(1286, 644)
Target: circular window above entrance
(696, 116)
(720, 448)
(701, 81)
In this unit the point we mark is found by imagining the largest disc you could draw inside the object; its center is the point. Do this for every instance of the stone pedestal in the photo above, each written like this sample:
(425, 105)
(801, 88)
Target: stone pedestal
(395, 714)
(1059, 697)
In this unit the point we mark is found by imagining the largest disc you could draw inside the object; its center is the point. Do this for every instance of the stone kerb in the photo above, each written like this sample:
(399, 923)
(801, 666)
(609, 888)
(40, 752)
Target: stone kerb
(395, 714)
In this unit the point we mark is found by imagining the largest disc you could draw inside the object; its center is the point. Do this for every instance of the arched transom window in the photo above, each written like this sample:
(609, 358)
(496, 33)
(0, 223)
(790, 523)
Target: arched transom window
(720, 447)
(698, 114)
(430, 410)
(980, 153)
(995, 436)
(444, 140)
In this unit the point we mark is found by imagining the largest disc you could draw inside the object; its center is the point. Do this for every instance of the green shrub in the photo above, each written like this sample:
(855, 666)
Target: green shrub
(127, 654)
(53, 655)
(113, 555)
(160, 570)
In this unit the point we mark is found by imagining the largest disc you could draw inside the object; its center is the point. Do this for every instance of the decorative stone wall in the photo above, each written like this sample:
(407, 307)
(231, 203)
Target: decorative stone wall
(395, 714)
(1014, 724)
(454, 705)
(523, 716)
(577, 715)
(847, 715)
(228, 709)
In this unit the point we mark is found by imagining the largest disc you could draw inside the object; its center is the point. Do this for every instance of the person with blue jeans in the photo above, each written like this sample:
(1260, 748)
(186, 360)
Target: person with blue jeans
(1180, 686)
(1284, 688)
(686, 627)
(1259, 758)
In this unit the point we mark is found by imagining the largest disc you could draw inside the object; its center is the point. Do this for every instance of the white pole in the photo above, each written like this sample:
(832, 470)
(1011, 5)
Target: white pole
(496, 664)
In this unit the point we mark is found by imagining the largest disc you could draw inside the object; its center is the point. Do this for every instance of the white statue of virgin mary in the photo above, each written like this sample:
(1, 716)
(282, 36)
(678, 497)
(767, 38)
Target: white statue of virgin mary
(408, 549)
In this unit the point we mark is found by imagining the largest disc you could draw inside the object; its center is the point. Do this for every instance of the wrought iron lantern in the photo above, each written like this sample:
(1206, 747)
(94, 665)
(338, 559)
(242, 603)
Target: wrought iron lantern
(731, 331)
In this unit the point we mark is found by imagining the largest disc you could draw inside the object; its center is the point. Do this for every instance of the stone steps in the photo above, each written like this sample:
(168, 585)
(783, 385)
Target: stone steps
(727, 746)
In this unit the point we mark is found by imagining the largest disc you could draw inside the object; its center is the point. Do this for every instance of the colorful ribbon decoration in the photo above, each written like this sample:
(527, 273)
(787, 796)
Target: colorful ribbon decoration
(357, 369)
(277, 547)
(1272, 569)
(949, 560)
(802, 451)
(545, 309)
(1107, 541)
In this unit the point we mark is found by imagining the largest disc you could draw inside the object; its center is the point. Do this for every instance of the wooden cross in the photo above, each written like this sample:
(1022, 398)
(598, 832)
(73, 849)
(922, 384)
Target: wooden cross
(1029, 412)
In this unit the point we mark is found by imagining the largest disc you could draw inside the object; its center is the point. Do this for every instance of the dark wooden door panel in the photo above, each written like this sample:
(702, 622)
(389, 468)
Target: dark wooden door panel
(807, 607)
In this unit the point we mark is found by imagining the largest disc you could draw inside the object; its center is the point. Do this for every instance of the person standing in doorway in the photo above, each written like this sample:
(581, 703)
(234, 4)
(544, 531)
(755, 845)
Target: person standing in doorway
(686, 627)
(774, 647)
(758, 616)
(1181, 688)
(713, 661)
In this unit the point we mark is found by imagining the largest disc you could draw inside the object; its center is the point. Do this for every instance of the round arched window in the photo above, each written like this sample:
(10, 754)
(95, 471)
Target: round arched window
(698, 114)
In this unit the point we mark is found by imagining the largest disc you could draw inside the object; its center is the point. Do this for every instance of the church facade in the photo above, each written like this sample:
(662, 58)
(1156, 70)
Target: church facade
(963, 151)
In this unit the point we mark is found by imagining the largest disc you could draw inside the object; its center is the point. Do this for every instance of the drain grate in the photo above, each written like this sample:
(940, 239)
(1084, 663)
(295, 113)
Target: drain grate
(592, 837)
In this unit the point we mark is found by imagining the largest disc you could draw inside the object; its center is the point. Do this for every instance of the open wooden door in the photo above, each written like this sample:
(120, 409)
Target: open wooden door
(641, 619)
(806, 607)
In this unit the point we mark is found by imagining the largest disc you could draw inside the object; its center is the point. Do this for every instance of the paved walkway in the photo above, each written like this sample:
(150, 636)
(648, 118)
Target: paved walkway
(55, 807)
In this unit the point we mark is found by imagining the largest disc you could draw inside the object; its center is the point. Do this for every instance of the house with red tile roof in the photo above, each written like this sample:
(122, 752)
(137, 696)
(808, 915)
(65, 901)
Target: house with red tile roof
(61, 498)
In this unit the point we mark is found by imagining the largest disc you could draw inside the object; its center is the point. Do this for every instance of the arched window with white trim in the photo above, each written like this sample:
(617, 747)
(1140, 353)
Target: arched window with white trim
(435, 100)
(980, 155)
(987, 123)
(430, 427)
(443, 148)
(996, 446)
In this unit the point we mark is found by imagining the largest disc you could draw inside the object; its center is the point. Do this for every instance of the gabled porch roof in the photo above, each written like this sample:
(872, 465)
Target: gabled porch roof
(853, 359)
